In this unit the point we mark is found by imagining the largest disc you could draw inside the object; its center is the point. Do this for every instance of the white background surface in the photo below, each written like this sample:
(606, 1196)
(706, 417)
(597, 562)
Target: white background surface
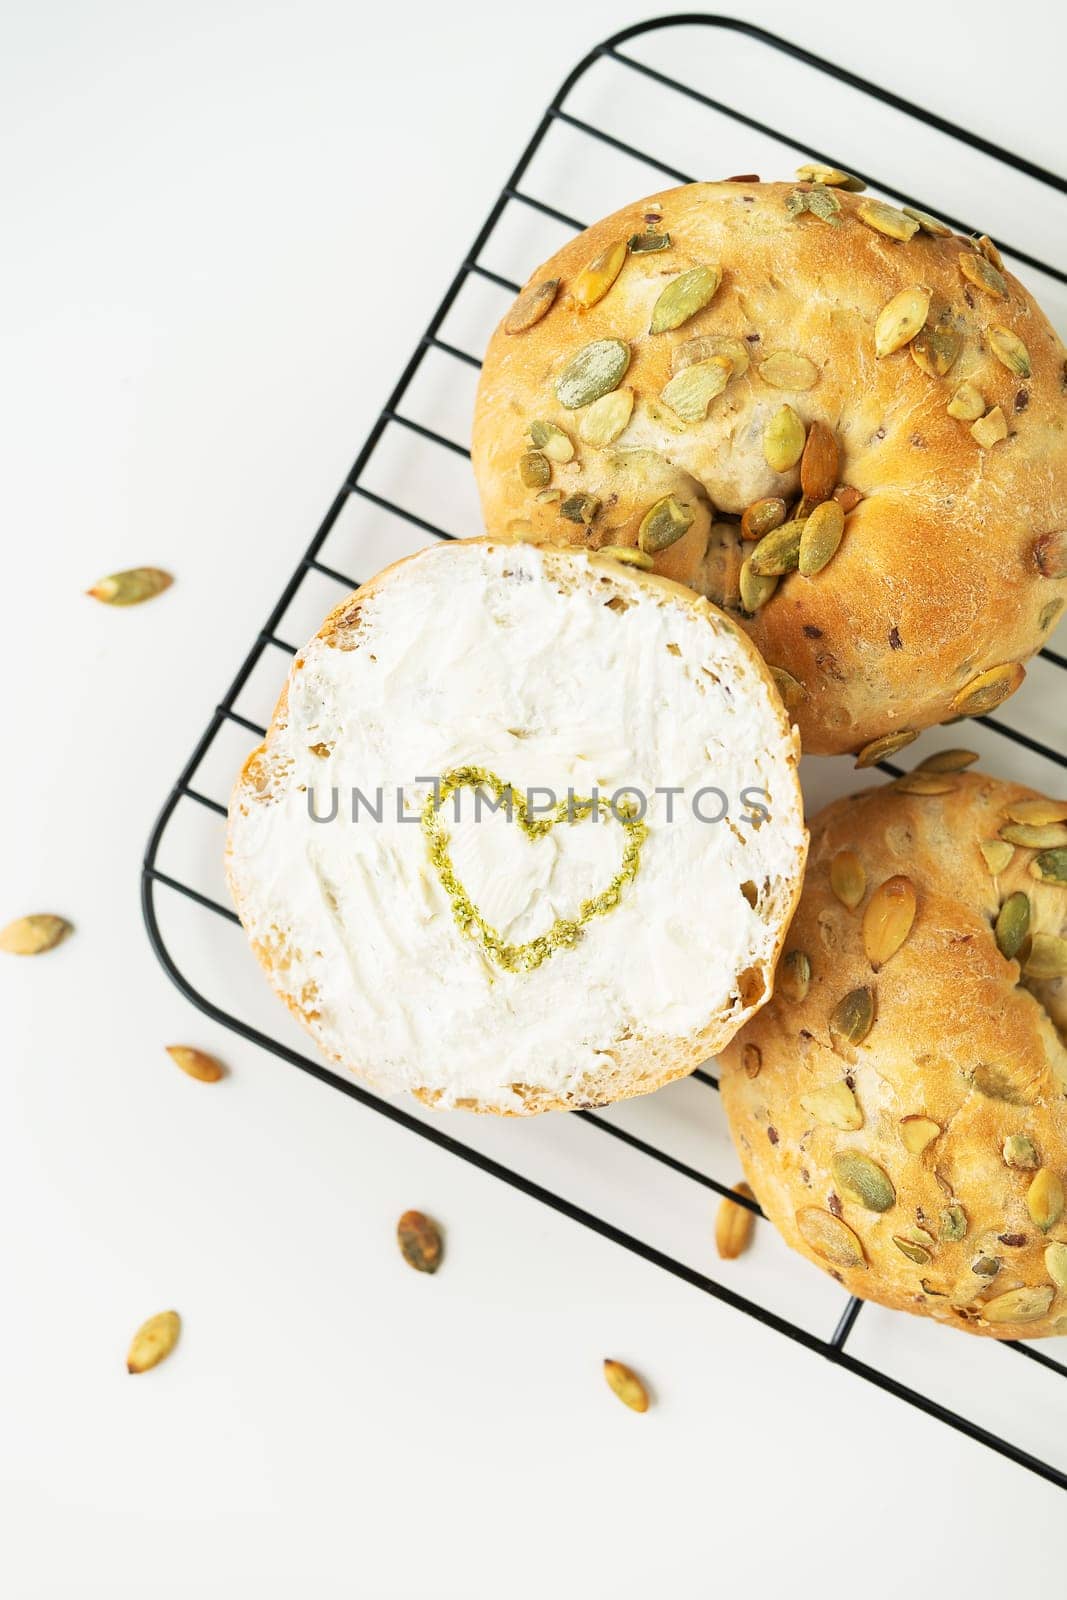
(225, 226)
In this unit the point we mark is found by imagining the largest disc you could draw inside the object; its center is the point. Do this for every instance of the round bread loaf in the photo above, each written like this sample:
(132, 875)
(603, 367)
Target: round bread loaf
(703, 371)
(899, 1105)
(592, 936)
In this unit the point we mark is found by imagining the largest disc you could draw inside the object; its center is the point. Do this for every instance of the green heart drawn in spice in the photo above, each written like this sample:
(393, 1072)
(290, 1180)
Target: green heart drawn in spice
(565, 931)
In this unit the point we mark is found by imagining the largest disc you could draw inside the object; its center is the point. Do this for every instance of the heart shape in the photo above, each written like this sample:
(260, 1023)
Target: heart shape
(565, 931)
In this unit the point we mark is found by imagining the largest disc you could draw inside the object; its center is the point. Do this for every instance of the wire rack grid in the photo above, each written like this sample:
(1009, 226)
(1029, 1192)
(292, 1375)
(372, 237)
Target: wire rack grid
(664, 102)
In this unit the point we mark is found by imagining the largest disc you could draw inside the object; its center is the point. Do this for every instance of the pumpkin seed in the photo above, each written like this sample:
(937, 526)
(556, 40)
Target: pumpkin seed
(784, 370)
(888, 919)
(1018, 1305)
(1044, 1199)
(1012, 925)
(917, 1131)
(734, 1225)
(791, 689)
(783, 440)
(984, 274)
(752, 1060)
(829, 1238)
(647, 243)
(815, 172)
(595, 279)
(847, 878)
(690, 392)
(818, 464)
(627, 555)
(1050, 866)
(549, 496)
(887, 745)
(935, 349)
(1050, 837)
(706, 346)
(420, 1241)
(900, 320)
(953, 1224)
(794, 976)
(948, 761)
(626, 1385)
(754, 590)
(778, 552)
(928, 224)
(822, 533)
(824, 204)
(967, 404)
(1050, 554)
(534, 470)
(606, 418)
(914, 1252)
(1047, 958)
(985, 1266)
(863, 1180)
(988, 689)
(1039, 811)
(835, 1105)
(990, 429)
(852, 1018)
(1056, 1264)
(551, 441)
(664, 524)
(153, 1341)
(1049, 614)
(531, 305)
(1010, 351)
(887, 219)
(596, 369)
(34, 935)
(847, 497)
(987, 248)
(996, 1083)
(131, 588)
(762, 517)
(196, 1063)
(925, 783)
(1019, 1151)
(683, 297)
(997, 854)
(580, 508)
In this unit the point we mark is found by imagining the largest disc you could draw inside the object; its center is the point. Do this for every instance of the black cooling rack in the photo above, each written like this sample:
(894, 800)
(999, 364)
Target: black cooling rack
(656, 108)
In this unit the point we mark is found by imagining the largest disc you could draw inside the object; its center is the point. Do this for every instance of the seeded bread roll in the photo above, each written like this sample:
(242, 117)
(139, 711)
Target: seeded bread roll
(845, 424)
(899, 1105)
(572, 953)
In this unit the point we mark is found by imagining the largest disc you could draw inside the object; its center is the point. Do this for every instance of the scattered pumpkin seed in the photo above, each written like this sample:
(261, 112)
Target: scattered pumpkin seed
(420, 1241)
(683, 297)
(987, 689)
(997, 854)
(762, 517)
(626, 1385)
(997, 1083)
(887, 745)
(1050, 866)
(606, 418)
(852, 1018)
(131, 588)
(778, 552)
(928, 224)
(829, 1238)
(551, 441)
(925, 783)
(664, 524)
(900, 320)
(783, 440)
(647, 243)
(985, 1266)
(752, 1060)
(1012, 925)
(1010, 351)
(1056, 1264)
(1018, 1305)
(705, 347)
(196, 1063)
(934, 349)
(1047, 958)
(754, 590)
(33, 935)
(1044, 1199)
(821, 536)
(596, 369)
(863, 1180)
(534, 470)
(824, 204)
(984, 274)
(917, 1131)
(1050, 554)
(531, 305)
(848, 880)
(888, 919)
(548, 496)
(815, 172)
(791, 689)
(1050, 837)
(847, 497)
(948, 761)
(627, 555)
(595, 279)
(782, 369)
(818, 464)
(967, 404)
(914, 1252)
(887, 219)
(153, 1341)
(1019, 1151)
(794, 976)
(734, 1225)
(690, 392)
(1049, 613)
(953, 1224)
(835, 1106)
(1039, 811)
(990, 429)
(580, 508)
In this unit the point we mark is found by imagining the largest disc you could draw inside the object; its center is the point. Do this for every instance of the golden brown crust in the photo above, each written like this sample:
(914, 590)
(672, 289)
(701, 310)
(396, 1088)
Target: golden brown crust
(936, 578)
(956, 1040)
(640, 1063)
